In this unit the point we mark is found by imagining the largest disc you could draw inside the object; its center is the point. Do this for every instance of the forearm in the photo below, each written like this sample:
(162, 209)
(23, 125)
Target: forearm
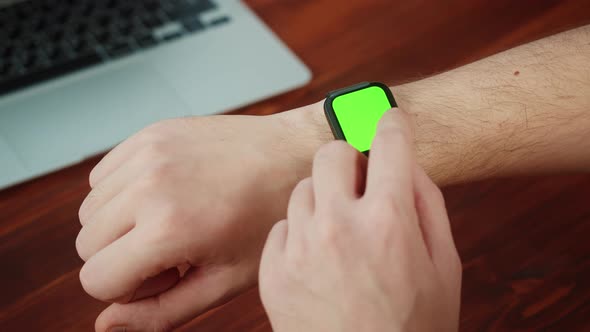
(526, 110)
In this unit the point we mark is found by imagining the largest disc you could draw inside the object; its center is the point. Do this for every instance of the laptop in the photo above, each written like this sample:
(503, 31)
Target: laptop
(78, 77)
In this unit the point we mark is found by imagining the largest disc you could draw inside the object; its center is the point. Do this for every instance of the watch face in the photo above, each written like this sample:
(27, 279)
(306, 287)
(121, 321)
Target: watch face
(355, 112)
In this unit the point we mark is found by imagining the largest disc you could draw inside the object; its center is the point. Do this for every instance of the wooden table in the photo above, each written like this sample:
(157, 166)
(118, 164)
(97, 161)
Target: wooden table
(523, 241)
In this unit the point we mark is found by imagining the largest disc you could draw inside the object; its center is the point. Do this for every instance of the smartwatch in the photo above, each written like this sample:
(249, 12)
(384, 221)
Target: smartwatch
(354, 112)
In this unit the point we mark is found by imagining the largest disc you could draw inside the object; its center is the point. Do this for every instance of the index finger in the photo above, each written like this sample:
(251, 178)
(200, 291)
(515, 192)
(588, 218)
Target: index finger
(392, 160)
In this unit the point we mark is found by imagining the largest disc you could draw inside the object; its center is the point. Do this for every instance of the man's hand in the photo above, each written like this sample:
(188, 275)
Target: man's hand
(363, 250)
(200, 193)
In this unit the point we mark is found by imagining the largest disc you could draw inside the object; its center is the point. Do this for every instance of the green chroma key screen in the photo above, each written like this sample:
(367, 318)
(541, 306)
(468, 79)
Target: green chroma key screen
(356, 111)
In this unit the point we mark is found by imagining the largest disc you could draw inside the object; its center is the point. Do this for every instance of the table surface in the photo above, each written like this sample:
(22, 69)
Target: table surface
(523, 242)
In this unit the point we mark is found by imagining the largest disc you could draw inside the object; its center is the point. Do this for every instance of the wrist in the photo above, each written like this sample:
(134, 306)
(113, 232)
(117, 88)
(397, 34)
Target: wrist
(439, 143)
(441, 136)
(305, 130)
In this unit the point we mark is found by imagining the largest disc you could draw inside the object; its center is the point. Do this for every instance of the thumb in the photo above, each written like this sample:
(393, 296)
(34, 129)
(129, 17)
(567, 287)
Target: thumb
(198, 291)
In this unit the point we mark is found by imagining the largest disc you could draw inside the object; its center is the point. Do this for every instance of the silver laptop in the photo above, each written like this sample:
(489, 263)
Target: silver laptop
(77, 77)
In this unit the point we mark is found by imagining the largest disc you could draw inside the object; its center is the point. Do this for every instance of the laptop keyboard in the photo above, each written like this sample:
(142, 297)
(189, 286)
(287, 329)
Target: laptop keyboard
(42, 40)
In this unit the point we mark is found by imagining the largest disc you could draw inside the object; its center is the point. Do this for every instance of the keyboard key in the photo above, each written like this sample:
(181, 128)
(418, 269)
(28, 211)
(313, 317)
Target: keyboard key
(119, 48)
(7, 51)
(126, 11)
(87, 9)
(146, 41)
(78, 28)
(132, 28)
(165, 31)
(15, 33)
(56, 35)
(33, 62)
(219, 21)
(104, 36)
(193, 24)
(62, 17)
(152, 5)
(56, 54)
(103, 19)
(29, 45)
(80, 46)
(43, 39)
(172, 36)
(188, 8)
(152, 21)
(19, 51)
(13, 84)
(111, 4)
(9, 69)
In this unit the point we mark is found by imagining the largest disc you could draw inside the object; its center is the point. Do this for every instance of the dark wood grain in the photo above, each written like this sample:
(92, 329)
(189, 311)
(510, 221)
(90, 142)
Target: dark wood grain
(524, 242)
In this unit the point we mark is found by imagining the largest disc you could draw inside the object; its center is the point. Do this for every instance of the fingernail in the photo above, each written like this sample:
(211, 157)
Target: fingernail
(118, 329)
(389, 114)
(392, 112)
(387, 117)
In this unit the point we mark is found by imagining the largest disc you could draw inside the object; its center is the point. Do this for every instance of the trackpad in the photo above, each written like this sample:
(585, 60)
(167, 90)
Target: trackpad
(86, 115)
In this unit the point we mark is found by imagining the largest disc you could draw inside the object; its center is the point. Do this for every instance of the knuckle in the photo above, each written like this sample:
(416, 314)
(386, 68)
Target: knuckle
(292, 272)
(278, 228)
(87, 281)
(97, 173)
(93, 177)
(155, 150)
(384, 217)
(296, 259)
(302, 190)
(330, 232)
(145, 185)
(164, 232)
(171, 220)
(385, 194)
(274, 237)
(154, 178)
(161, 170)
(83, 214)
(381, 208)
(303, 185)
(89, 204)
(80, 247)
(160, 164)
(331, 208)
(172, 212)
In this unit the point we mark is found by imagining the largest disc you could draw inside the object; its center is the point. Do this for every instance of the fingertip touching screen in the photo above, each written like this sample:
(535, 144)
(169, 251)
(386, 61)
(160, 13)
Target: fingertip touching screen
(358, 113)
